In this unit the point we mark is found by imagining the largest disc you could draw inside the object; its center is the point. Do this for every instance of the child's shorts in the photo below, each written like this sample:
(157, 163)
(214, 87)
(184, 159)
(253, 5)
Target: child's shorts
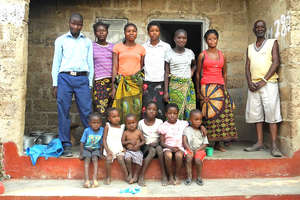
(136, 156)
(200, 154)
(88, 153)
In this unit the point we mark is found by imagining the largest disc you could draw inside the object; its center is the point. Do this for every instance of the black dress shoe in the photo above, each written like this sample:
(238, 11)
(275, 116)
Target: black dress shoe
(67, 152)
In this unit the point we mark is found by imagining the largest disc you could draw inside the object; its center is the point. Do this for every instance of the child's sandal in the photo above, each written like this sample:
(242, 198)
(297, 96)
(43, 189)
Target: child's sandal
(87, 184)
(95, 184)
(199, 181)
(188, 181)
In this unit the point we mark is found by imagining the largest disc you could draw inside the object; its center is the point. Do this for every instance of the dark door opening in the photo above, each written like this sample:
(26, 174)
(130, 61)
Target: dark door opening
(194, 33)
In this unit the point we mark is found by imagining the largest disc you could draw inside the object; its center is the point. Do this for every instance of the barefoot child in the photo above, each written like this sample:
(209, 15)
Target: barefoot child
(171, 140)
(149, 127)
(194, 142)
(133, 139)
(112, 143)
(90, 148)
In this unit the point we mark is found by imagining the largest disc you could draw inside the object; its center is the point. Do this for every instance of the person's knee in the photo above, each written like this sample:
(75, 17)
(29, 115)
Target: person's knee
(87, 160)
(159, 150)
(178, 155)
(109, 159)
(95, 158)
(198, 162)
(151, 152)
(120, 158)
(128, 160)
(168, 155)
(189, 158)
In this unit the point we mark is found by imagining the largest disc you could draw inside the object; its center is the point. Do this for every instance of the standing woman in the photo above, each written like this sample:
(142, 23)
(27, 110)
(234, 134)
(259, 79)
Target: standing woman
(217, 106)
(103, 70)
(128, 60)
(153, 87)
(179, 67)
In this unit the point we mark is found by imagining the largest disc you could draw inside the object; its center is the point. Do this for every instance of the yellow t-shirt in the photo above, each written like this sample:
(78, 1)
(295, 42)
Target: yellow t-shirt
(129, 58)
(261, 60)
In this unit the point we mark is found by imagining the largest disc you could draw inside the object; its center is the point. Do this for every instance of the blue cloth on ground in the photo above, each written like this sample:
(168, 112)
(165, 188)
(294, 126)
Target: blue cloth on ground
(132, 190)
(53, 149)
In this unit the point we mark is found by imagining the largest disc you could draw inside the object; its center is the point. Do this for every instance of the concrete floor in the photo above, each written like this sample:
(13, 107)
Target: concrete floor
(211, 187)
(234, 151)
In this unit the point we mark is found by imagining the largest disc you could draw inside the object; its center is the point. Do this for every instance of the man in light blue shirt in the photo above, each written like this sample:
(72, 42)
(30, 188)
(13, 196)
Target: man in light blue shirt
(72, 73)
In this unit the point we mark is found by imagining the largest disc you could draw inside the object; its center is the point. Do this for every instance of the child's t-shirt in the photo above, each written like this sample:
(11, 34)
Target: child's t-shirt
(173, 132)
(150, 132)
(92, 139)
(180, 63)
(194, 137)
(129, 58)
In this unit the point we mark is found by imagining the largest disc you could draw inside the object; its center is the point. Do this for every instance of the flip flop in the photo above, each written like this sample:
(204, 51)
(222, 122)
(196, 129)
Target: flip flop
(95, 184)
(188, 181)
(254, 148)
(199, 181)
(87, 185)
(276, 153)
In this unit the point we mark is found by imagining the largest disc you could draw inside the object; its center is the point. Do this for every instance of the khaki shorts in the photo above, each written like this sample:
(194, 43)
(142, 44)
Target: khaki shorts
(264, 105)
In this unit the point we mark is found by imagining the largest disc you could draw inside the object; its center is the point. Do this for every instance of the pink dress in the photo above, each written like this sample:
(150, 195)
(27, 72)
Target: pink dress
(173, 133)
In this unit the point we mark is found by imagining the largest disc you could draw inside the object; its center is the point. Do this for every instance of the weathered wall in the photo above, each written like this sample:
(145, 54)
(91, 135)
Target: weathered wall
(48, 19)
(282, 21)
(13, 70)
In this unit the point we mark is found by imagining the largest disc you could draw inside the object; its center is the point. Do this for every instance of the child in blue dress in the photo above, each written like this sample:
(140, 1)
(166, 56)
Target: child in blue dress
(91, 148)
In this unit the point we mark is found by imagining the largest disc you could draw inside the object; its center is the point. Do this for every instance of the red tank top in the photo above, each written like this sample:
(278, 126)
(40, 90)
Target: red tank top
(212, 69)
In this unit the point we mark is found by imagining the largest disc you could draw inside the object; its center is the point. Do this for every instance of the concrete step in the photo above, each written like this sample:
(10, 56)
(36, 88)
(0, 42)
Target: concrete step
(235, 163)
(217, 189)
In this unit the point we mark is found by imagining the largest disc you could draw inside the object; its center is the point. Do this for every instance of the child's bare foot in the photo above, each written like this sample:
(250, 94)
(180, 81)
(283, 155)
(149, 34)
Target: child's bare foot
(107, 181)
(164, 181)
(141, 181)
(131, 181)
(177, 180)
(95, 184)
(171, 181)
(219, 148)
(87, 184)
(128, 179)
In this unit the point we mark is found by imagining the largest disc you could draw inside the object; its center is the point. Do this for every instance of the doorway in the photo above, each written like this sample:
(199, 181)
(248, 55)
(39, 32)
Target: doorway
(194, 33)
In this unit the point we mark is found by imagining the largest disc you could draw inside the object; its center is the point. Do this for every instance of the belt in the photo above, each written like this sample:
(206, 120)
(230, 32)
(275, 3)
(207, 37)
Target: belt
(76, 73)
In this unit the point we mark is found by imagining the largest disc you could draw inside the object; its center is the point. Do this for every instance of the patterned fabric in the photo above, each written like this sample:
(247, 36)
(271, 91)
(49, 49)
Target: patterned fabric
(101, 96)
(217, 108)
(135, 156)
(154, 91)
(128, 98)
(182, 92)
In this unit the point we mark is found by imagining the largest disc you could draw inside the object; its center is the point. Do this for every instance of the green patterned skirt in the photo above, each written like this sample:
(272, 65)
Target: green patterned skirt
(182, 92)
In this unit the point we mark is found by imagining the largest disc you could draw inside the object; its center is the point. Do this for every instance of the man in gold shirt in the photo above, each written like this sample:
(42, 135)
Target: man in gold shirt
(263, 102)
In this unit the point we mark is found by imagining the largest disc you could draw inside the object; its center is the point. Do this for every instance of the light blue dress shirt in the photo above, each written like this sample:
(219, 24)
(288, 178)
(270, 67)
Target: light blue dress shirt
(73, 55)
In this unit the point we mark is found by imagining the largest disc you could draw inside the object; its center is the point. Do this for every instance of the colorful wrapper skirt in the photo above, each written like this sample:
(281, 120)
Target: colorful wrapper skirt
(101, 96)
(128, 97)
(217, 109)
(154, 91)
(182, 92)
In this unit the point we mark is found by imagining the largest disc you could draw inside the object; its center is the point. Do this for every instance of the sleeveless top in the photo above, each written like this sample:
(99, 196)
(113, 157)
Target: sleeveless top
(212, 69)
(113, 139)
(261, 60)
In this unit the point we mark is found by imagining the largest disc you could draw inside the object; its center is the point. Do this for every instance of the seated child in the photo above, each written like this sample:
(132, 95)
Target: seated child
(133, 139)
(90, 148)
(149, 127)
(194, 142)
(171, 140)
(112, 142)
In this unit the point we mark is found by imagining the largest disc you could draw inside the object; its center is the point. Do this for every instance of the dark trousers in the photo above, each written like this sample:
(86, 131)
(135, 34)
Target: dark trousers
(68, 85)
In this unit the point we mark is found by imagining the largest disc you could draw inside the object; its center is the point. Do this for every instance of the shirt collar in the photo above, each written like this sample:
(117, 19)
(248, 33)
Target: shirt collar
(158, 44)
(70, 35)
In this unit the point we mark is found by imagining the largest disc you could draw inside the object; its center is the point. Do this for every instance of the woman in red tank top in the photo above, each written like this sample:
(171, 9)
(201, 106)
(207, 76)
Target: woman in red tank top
(215, 102)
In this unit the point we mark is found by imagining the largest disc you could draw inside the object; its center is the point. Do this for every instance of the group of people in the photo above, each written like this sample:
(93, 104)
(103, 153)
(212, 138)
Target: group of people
(134, 88)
